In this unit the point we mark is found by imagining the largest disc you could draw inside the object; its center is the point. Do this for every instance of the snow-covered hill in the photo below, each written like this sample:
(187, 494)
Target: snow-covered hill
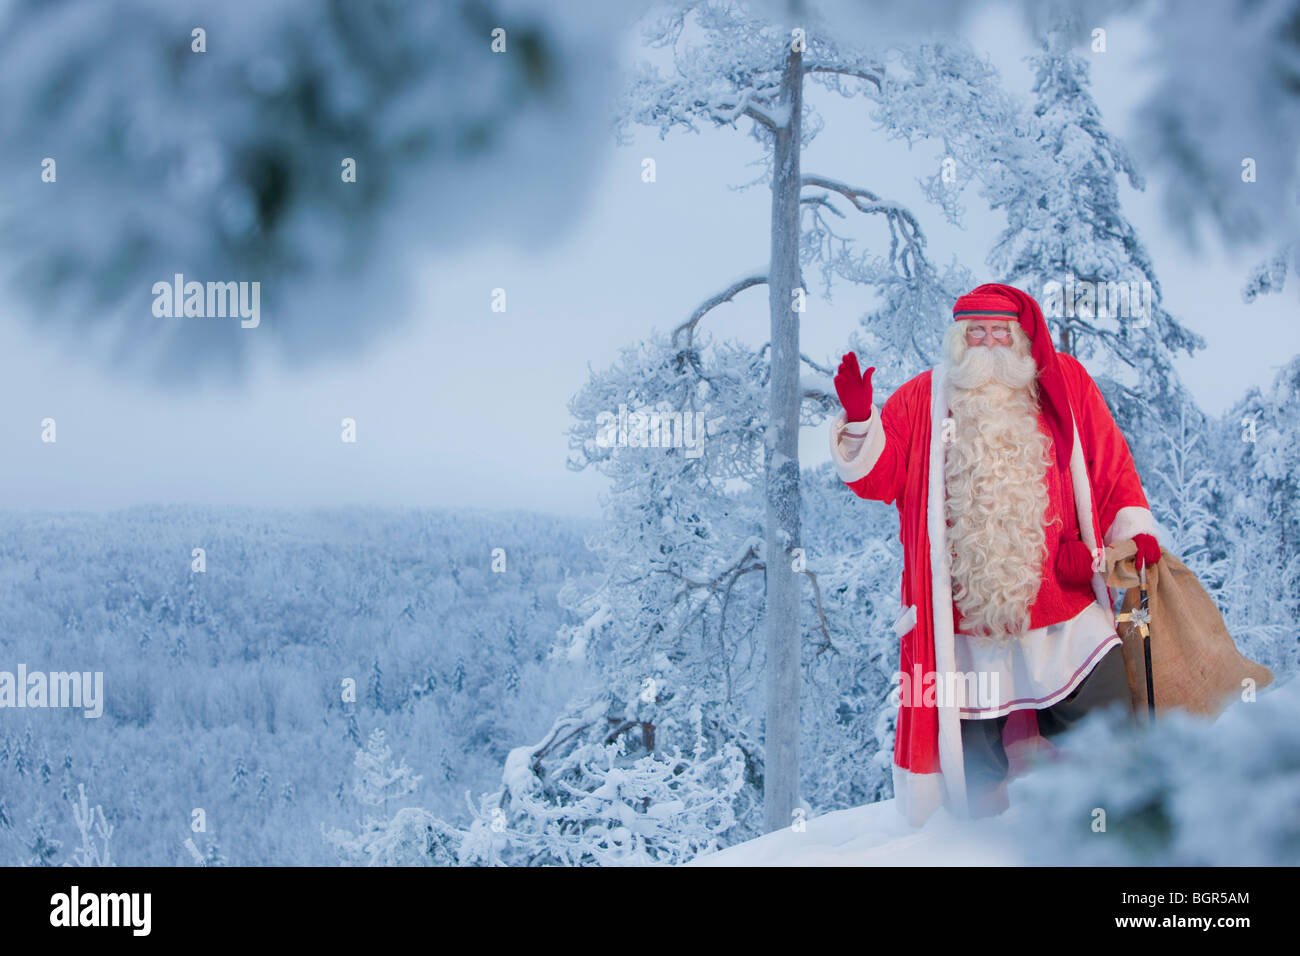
(877, 835)
(1188, 791)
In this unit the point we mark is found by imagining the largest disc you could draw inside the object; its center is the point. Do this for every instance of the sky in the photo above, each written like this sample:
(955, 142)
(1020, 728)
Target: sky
(465, 407)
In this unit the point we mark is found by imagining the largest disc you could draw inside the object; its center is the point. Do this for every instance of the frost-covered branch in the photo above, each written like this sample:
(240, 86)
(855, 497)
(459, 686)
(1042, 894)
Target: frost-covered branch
(1270, 275)
(726, 295)
(823, 202)
(903, 226)
(745, 563)
(865, 201)
(94, 830)
(870, 76)
(736, 73)
(821, 616)
(820, 368)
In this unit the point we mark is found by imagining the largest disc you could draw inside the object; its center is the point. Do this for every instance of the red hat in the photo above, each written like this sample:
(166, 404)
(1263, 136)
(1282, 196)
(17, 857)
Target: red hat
(994, 300)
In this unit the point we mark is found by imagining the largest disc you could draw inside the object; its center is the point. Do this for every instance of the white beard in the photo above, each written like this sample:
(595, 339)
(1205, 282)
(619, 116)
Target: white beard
(996, 497)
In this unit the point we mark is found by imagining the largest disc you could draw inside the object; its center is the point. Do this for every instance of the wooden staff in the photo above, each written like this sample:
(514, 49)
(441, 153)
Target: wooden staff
(1141, 617)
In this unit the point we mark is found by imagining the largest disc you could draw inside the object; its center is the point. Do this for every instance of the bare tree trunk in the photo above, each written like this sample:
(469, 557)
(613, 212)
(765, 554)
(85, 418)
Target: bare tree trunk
(781, 772)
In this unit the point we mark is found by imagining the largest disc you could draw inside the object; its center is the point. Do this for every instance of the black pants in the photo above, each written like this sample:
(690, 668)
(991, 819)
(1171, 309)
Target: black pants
(985, 759)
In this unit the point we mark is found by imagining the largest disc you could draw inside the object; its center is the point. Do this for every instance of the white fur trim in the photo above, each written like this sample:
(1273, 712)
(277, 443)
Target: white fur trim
(951, 761)
(1083, 508)
(1131, 520)
(906, 621)
(917, 795)
(860, 465)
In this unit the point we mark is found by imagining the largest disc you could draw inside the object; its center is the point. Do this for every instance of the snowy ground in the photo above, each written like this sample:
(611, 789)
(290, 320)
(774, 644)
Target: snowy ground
(877, 835)
(1186, 791)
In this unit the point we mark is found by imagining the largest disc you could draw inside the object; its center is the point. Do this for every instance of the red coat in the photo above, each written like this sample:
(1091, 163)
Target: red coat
(902, 462)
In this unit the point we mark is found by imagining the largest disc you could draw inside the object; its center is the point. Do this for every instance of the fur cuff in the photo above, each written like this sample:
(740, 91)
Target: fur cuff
(860, 465)
(1133, 520)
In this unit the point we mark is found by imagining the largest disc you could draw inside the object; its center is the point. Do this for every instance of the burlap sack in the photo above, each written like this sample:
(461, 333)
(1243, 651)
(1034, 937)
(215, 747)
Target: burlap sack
(1195, 664)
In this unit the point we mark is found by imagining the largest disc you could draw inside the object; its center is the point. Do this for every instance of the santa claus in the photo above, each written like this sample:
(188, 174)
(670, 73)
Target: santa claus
(1009, 475)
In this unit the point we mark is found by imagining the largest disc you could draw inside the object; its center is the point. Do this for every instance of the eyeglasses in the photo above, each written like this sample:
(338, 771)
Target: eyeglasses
(1000, 335)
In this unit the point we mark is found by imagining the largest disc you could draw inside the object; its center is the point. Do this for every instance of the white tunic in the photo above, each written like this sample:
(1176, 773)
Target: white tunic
(1040, 669)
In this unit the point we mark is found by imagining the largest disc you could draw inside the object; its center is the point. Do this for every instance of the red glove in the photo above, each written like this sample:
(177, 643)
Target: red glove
(854, 389)
(1148, 551)
(1073, 562)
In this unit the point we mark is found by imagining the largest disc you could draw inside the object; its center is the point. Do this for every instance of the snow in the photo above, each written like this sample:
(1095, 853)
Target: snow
(517, 775)
(878, 835)
(583, 633)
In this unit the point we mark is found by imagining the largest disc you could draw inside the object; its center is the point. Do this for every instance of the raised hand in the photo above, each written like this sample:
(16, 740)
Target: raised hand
(854, 388)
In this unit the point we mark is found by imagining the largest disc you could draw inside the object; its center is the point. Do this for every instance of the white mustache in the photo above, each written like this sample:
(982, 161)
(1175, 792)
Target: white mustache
(981, 365)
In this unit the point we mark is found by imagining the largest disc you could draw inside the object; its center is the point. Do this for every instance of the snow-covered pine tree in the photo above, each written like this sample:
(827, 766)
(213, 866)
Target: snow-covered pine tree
(1257, 529)
(597, 807)
(380, 779)
(1069, 244)
(410, 837)
(1184, 493)
(42, 845)
(672, 634)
